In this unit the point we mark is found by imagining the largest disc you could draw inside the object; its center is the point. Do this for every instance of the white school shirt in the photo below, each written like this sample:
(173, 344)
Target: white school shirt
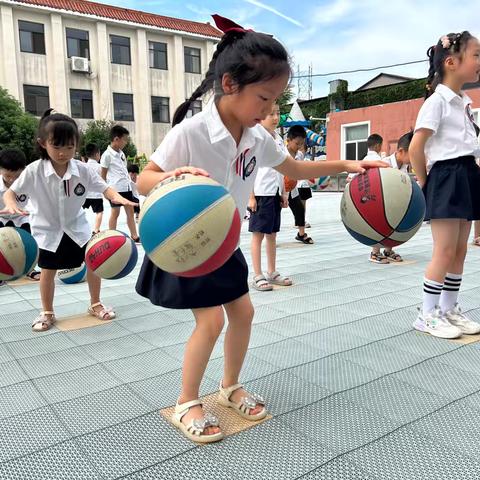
(95, 167)
(392, 160)
(268, 181)
(450, 118)
(203, 141)
(117, 175)
(22, 201)
(56, 203)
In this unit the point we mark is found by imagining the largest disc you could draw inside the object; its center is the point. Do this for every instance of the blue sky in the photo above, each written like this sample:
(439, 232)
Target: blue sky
(336, 35)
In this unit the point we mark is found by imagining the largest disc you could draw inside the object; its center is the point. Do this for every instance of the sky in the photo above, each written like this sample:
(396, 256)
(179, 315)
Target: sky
(338, 35)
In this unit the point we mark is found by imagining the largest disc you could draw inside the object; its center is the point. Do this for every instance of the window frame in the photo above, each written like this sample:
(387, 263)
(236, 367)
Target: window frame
(122, 117)
(343, 137)
(77, 90)
(167, 119)
(122, 46)
(79, 40)
(33, 34)
(153, 51)
(195, 107)
(38, 111)
(185, 47)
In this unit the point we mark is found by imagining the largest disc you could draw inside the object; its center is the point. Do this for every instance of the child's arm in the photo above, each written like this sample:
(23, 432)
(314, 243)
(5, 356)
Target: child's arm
(417, 154)
(152, 174)
(11, 205)
(115, 197)
(252, 202)
(103, 174)
(303, 170)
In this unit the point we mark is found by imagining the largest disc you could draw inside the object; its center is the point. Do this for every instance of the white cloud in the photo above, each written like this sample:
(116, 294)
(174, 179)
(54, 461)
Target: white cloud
(269, 8)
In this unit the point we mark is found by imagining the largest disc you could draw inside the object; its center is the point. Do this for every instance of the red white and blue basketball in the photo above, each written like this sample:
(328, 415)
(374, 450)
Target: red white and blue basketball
(111, 254)
(189, 225)
(18, 253)
(73, 275)
(382, 206)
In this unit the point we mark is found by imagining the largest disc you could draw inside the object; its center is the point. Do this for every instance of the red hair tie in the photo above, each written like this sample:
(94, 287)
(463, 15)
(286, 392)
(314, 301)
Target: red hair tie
(225, 25)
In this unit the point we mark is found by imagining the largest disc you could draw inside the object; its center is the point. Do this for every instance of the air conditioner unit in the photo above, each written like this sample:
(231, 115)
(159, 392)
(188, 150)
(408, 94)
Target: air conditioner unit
(80, 64)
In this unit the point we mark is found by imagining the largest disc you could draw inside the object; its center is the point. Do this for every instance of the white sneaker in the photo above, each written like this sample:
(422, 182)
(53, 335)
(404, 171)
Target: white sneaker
(436, 324)
(456, 317)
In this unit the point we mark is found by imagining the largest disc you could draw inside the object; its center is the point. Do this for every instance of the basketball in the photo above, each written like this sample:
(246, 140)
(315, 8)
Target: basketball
(73, 275)
(189, 225)
(18, 253)
(382, 206)
(111, 254)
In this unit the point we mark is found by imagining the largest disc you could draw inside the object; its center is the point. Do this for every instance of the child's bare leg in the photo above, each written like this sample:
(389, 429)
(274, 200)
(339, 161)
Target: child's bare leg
(240, 316)
(256, 251)
(47, 289)
(98, 221)
(209, 325)
(271, 247)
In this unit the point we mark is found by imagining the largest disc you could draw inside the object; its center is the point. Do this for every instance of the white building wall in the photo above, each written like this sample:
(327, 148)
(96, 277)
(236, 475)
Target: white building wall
(53, 69)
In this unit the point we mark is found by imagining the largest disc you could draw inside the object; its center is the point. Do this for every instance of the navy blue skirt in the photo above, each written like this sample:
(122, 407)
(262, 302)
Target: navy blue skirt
(222, 286)
(267, 217)
(452, 190)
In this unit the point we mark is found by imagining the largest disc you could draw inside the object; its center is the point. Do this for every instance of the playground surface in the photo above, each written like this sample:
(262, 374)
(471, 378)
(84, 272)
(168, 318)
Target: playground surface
(354, 392)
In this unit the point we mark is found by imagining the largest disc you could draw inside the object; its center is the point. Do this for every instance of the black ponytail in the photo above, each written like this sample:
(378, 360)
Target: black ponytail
(248, 57)
(57, 128)
(450, 44)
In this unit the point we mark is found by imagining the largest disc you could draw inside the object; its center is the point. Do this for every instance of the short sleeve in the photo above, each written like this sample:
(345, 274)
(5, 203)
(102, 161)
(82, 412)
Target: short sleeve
(95, 182)
(271, 154)
(430, 114)
(24, 184)
(105, 160)
(173, 152)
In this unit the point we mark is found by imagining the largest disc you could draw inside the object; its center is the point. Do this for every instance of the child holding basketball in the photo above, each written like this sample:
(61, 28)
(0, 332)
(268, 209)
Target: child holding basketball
(265, 205)
(442, 154)
(248, 72)
(57, 186)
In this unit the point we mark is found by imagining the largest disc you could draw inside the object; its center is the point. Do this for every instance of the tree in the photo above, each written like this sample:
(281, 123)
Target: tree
(98, 132)
(17, 128)
(286, 99)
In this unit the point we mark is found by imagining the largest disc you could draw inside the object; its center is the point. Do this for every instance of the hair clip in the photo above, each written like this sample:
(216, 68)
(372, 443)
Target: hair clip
(445, 40)
(226, 25)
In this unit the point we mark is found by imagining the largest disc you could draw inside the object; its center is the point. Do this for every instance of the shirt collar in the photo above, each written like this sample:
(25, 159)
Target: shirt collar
(448, 94)
(72, 169)
(112, 151)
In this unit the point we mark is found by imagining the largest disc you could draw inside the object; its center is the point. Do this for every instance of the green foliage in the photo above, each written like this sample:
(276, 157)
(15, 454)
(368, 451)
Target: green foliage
(17, 128)
(286, 99)
(98, 132)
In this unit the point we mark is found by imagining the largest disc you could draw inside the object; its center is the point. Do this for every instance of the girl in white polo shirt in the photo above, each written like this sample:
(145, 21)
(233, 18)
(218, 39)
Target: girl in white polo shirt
(58, 186)
(247, 73)
(442, 155)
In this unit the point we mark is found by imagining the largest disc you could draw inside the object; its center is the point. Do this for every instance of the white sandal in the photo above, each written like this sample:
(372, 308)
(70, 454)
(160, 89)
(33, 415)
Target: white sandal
(246, 404)
(275, 278)
(194, 430)
(261, 284)
(42, 323)
(106, 313)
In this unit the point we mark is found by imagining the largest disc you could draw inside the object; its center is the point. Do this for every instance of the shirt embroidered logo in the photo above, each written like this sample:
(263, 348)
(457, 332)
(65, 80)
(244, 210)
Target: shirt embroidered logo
(79, 190)
(243, 169)
(21, 198)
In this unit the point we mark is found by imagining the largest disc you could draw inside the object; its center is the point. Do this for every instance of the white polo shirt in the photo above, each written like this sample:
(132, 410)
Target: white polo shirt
(203, 141)
(117, 175)
(372, 155)
(450, 118)
(96, 168)
(22, 201)
(56, 203)
(268, 181)
(392, 160)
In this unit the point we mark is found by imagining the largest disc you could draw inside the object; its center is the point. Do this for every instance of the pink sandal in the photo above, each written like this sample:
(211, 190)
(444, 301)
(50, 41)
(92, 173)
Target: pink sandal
(106, 313)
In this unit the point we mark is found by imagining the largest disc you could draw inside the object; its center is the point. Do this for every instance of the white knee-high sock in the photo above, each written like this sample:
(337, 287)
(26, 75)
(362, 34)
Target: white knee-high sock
(431, 294)
(451, 288)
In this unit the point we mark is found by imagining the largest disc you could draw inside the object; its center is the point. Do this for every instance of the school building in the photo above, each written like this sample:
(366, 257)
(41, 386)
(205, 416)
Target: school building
(97, 61)
(348, 130)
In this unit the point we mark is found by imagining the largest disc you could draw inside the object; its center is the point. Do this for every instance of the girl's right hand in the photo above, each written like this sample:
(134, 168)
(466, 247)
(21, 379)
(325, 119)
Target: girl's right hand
(252, 205)
(192, 170)
(13, 209)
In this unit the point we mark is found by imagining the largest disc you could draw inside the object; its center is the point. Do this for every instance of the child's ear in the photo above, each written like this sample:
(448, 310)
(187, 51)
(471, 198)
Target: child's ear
(229, 86)
(42, 143)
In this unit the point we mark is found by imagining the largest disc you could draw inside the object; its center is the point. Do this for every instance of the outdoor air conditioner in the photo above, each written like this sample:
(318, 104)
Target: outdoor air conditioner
(80, 64)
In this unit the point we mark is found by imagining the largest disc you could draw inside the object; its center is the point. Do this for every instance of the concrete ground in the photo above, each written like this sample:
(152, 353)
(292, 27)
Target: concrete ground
(355, 393)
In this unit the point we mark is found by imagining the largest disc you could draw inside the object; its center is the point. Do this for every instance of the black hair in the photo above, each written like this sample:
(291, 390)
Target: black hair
(248, 57)
(133, 168)
(296, 131)
(373, 140)
(404, 141)
(450, 44)
(12, 159)
(91, 150)
(58, 128)
(118, 131)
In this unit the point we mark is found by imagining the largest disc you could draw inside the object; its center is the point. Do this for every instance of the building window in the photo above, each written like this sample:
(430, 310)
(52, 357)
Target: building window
(123, 106)
(192, 60)
(355, 141)
(160, 110)
(81, 103)
(36, 99)
(32, 37)
(158, 55)
(120, 47)
(77, 43)
(195, 107)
